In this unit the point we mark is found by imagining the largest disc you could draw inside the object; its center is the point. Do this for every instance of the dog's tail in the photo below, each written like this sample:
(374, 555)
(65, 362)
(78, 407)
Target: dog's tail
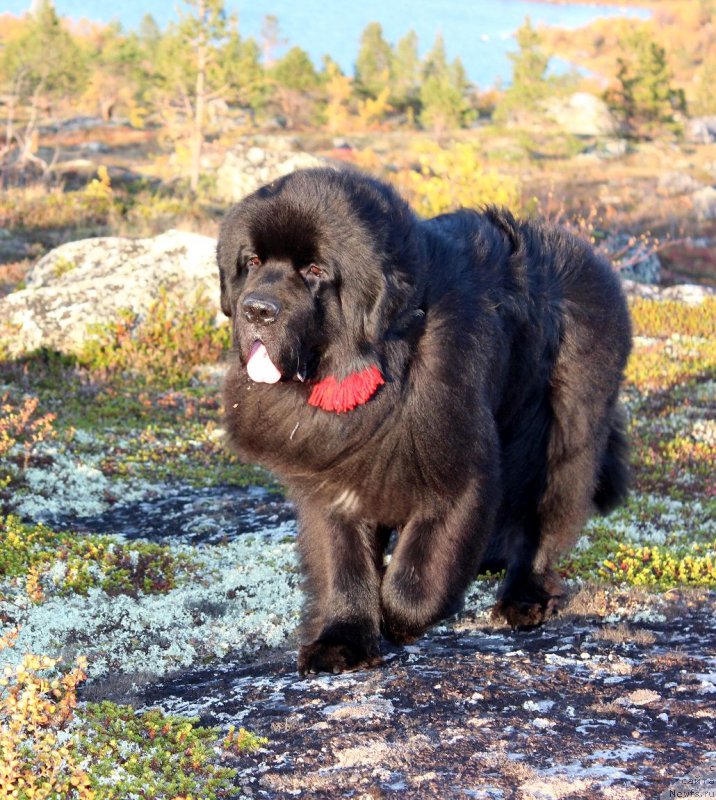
(614, 474)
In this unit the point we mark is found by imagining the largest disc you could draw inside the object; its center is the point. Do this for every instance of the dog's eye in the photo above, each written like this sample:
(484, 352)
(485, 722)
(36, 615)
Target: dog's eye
(254, 261)
(315, 270)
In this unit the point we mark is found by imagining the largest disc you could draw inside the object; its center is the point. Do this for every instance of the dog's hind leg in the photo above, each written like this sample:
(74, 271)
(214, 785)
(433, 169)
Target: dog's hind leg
(585, 418)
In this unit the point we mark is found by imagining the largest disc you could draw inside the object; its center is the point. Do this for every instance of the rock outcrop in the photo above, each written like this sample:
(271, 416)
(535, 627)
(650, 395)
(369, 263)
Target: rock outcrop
(248, 167)
(701, 130)
(582, 114)
(90, 281)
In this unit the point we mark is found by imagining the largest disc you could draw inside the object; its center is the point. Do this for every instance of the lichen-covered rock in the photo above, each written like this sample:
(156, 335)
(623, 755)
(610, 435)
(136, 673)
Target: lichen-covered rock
(701, 130)
(671, 184)
(246, 168)
(705, 203)
(582, 114)
(89, 282)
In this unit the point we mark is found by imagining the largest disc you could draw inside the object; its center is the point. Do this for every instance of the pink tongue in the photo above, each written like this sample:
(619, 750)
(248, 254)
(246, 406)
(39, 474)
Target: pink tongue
(260, 367)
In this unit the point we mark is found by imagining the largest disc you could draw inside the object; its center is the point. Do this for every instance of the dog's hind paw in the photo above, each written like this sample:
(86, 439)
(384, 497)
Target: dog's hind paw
(524, 615)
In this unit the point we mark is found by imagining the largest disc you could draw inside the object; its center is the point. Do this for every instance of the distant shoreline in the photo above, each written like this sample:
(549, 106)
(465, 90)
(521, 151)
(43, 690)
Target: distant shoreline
(651, 5)
(481, 35)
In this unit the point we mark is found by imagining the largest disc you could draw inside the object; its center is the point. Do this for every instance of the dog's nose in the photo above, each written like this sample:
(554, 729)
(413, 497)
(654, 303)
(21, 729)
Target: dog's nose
(260, 310)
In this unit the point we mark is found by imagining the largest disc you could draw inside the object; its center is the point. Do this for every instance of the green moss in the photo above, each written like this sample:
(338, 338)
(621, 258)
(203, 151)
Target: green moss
(62, 266)
(151, 754)
(136, 429)
(87, 561)
(662, 567)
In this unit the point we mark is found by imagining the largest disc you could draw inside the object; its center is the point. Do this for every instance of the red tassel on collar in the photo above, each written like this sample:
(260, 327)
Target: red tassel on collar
(344, 395)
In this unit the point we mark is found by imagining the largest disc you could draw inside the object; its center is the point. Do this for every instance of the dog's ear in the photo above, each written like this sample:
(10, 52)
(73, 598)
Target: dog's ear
(226, 255)
(401, 281)
(394, 299)
(225, 300)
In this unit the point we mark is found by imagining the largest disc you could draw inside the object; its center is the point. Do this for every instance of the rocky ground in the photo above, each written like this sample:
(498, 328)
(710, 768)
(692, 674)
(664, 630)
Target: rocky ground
(614, 698)
(134, 550)
(587, 706)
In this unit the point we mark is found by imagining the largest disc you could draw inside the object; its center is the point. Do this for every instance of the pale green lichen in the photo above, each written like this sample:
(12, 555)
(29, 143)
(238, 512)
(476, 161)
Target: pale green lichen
(244, 597)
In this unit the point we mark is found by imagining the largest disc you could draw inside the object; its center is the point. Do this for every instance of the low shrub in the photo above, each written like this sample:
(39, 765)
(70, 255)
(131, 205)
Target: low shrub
(67, 562)
(165, 346)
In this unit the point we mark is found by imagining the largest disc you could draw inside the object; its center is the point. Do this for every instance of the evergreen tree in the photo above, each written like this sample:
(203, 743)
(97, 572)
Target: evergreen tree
(189, 72)
(118, 74)
(296, 71)
(245, 78)
(405, 73)
(149, 32)
(530, 84)
(295, 80)
(372, 70)
(644, 97)
(41, 65)
(442, 92)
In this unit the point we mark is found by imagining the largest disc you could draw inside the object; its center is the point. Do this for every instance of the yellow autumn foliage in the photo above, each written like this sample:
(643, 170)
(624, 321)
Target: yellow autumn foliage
(37, 761)
(452, 178)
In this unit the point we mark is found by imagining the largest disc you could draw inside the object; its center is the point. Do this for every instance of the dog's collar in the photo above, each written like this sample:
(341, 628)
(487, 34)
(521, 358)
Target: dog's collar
(345, 394)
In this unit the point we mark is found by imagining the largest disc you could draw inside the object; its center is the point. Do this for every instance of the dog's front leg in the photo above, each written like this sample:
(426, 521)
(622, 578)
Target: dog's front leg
(340, 560)
(435, 560)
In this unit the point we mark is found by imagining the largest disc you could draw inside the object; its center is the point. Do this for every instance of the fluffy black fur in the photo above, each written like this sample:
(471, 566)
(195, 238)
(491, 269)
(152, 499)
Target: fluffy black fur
(496, 434)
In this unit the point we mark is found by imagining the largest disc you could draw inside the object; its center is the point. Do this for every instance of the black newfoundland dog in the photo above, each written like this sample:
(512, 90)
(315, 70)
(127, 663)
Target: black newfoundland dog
(452, 380)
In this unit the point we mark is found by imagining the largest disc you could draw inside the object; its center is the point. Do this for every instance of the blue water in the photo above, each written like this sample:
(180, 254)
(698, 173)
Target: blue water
(480, 33)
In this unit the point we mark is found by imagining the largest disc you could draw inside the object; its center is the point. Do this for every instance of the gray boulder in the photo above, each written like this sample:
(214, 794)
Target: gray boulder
(701, 130)
(675, 183)
(582, 114)
(249, 166)
(90, 281)
(705, 203)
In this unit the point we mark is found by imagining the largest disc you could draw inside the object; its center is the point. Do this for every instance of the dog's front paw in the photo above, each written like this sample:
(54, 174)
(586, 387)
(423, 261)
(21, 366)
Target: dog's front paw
(331, 654)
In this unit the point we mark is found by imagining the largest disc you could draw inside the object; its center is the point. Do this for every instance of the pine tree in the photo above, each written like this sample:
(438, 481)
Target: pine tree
(296, 71)
(372, 70)
(442, 92)
(149, 32)
(644, 97)
(246, 79)
(189, 72)
(530, 84)
(405, 73)
(295, 80)
(118, 74)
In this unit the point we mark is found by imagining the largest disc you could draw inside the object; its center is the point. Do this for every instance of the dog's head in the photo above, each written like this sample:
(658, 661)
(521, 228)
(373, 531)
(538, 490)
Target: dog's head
(314, 270)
